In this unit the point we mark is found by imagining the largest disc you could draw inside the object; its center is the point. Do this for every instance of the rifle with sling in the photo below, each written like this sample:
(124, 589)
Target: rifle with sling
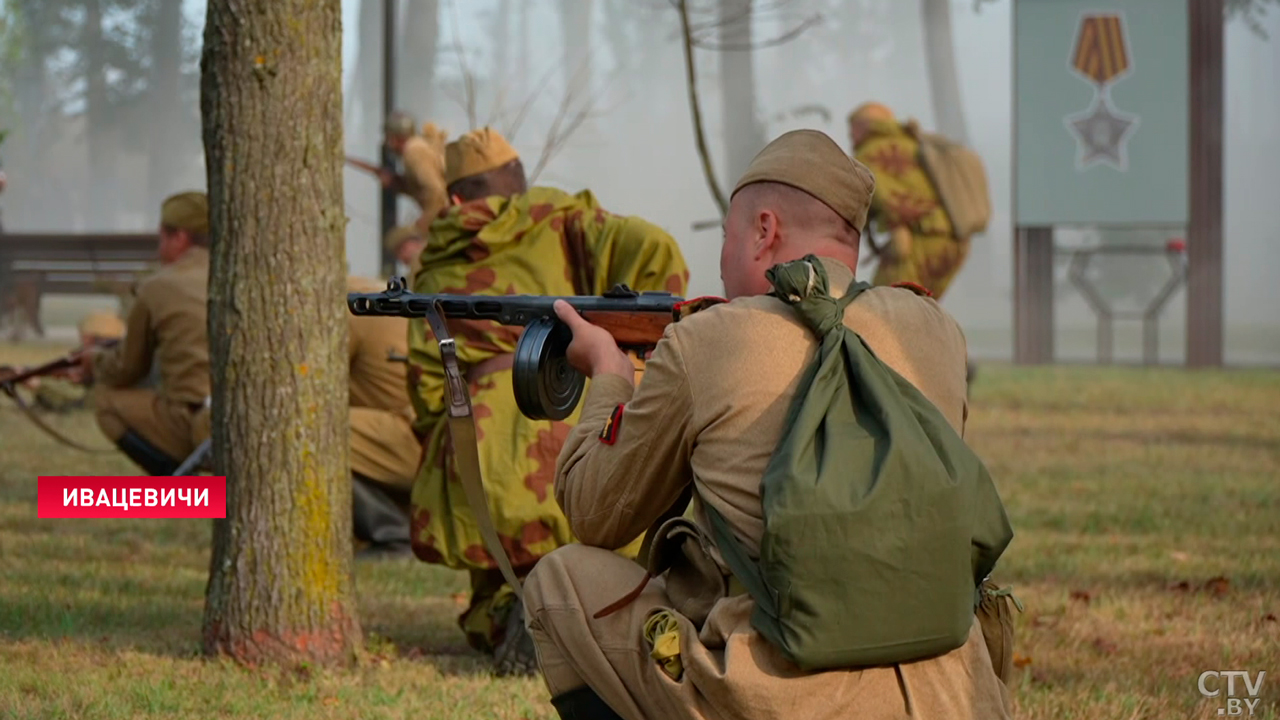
(546, 386)
(11, 377)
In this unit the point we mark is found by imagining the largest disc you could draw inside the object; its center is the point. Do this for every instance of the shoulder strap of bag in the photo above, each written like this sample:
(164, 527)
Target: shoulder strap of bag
(803, 286)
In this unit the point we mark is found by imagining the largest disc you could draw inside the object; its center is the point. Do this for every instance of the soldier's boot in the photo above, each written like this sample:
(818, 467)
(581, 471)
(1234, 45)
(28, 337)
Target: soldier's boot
(516, 654)
(583, 704)
(145, 455)
(379, 521)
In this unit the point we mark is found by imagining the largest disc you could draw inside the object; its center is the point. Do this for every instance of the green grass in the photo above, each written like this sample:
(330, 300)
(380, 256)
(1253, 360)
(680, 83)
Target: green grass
(1146, 505)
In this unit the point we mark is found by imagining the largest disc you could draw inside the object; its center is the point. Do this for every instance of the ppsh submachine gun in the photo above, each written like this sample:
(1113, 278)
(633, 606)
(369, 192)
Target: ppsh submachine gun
(546, 386)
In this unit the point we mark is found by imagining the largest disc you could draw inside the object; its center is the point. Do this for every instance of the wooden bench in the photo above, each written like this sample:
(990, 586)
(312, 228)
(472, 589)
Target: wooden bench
(34, 265)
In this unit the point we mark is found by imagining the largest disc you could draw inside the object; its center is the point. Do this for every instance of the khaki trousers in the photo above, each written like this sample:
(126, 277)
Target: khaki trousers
(729, 670)
(384, 448)
(170, 426)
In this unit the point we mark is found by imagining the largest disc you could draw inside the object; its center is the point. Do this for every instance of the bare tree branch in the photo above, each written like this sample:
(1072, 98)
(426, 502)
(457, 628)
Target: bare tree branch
(565, 124)
(782, 39)
(692, 82)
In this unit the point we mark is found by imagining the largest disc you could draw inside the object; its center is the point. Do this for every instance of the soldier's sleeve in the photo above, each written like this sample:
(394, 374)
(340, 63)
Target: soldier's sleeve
(129, 361)
(627, 459)
(425, 173)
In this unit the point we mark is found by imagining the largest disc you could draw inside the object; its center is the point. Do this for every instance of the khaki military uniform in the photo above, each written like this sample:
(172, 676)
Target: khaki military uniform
(383, 446)
(424, 177)
(166, 329)
(709, 413)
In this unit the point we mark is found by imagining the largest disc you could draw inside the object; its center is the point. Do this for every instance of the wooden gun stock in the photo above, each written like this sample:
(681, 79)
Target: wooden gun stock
(631, 330)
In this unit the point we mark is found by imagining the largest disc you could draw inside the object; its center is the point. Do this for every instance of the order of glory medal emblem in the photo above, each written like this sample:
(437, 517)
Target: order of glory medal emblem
(1101, 56)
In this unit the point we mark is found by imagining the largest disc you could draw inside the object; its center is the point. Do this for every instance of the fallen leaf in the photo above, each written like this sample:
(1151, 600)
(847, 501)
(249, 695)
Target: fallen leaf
(1021, 661)
(1218, 586)
(461, 599)
(1081, 595)
(1179, 556)
(1105, 647)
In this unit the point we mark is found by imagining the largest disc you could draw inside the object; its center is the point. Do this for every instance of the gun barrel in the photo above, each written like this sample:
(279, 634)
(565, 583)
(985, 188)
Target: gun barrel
(505, 309)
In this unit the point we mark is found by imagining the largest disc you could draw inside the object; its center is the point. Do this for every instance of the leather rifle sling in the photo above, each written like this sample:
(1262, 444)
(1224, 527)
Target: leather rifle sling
(466, 453)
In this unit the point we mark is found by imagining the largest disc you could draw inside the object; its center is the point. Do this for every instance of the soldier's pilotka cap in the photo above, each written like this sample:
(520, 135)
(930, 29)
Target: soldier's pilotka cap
(810, 161)
(476, 152)
(186, 211)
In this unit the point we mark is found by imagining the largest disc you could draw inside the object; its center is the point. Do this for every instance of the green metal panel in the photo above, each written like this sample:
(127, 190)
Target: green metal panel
(1100, 112)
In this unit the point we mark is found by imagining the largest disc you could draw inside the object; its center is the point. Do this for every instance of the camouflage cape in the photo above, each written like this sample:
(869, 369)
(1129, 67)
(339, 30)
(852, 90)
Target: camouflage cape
(516, 245)
(905, 199)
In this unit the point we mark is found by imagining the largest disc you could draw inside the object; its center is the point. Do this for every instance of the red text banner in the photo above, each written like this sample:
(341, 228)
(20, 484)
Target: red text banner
(132, 497)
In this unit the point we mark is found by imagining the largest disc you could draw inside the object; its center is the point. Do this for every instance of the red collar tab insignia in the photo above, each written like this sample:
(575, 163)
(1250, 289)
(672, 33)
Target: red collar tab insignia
(689, 307)
(609, 434)
(914, 287)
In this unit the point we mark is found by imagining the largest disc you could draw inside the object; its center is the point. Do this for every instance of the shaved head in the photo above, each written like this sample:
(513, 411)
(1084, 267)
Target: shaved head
(803, 215)
(770, 223)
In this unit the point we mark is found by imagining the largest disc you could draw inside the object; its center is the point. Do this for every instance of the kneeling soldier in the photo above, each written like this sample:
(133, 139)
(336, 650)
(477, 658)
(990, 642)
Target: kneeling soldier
(706, 419)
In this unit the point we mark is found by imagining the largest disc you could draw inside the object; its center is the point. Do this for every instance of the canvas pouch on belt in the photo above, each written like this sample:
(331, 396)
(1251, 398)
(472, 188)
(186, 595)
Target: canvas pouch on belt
(995, 614)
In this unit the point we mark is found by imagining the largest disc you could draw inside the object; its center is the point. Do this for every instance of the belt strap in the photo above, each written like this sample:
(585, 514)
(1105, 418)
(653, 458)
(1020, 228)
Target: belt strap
(489, 366)
(466, 453)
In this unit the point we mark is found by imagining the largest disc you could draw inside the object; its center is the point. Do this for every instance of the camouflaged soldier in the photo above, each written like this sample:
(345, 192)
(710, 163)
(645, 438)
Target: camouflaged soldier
(502, 237)
(921, 248)
(166, 330)
(423, 157)
(705, 420)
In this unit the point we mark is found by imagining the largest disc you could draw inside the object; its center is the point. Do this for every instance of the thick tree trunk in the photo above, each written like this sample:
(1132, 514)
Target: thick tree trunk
(165, 87)
(419, 43)
(743, 133)
(944, 77)
(280, 586)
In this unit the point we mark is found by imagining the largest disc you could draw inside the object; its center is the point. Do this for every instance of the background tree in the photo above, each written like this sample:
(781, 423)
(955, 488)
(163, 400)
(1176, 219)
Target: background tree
(280, 586)
(944, 75)
(730, 21)
(744, 134)
(418, 45)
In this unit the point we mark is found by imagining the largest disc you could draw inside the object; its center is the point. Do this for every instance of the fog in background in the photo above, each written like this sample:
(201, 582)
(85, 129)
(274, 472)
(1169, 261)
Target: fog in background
(103, 105)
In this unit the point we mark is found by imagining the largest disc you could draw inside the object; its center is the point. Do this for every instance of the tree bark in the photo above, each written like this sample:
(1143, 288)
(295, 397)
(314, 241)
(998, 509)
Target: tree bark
(164, 91)
(944, 78)
(419, 43)
(743, 133)
(280, 585)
